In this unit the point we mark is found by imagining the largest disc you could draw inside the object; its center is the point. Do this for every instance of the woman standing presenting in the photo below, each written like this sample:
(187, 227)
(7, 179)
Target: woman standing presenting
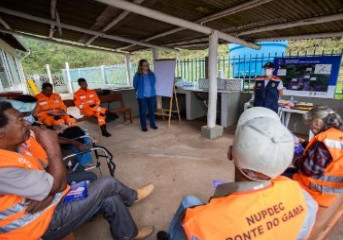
(144, 83)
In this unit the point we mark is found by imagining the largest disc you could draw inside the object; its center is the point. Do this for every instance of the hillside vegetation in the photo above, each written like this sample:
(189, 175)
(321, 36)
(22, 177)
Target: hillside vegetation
(56, 55)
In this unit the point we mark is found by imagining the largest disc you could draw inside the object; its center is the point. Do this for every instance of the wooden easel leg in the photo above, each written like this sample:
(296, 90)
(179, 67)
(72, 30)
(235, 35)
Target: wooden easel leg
(170, 110)
(177, 104)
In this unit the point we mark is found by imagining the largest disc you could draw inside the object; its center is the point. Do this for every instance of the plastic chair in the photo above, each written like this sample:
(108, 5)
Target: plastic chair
(327, 220)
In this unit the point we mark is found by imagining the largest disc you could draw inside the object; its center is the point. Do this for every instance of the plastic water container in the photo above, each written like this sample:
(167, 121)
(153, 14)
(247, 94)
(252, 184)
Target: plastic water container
(248, 62)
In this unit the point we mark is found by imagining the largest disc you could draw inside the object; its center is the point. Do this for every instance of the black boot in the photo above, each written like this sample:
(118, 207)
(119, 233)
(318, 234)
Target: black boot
(104, 131)
(111, 116)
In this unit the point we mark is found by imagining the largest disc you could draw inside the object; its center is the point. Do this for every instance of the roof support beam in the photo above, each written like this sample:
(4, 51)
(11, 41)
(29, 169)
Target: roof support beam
(224, 13)
(79, 29)
(113, 22)
(298, 23)
(306, 36)
(5, 24)
(174, 20)
(69, 44)
(53, 4)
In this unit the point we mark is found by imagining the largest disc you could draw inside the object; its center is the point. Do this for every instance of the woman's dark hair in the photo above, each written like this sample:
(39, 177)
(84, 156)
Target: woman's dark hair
(140, 66)
(46, 85)
(26, 99)
(3, 118)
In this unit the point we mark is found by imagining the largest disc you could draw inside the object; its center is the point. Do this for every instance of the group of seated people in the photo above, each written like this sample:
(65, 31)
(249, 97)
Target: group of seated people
(275, 195)
(52, 112)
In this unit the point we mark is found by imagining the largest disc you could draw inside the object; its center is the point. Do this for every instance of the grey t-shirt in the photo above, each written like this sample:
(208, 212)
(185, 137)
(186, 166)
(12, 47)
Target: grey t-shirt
(31, 184)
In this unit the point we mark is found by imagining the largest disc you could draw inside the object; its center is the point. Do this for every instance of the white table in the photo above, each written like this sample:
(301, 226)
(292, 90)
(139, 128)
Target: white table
(285, 114)
(195, 108)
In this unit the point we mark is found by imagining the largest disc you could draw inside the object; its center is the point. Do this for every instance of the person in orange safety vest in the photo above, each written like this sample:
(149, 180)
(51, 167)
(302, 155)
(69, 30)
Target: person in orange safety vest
(88, 102)
(50, 108)
(320, 166)
(261, 204)
(32, 202)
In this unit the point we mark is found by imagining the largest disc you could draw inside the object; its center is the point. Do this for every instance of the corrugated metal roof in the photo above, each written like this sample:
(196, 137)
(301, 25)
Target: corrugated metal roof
(91, 14)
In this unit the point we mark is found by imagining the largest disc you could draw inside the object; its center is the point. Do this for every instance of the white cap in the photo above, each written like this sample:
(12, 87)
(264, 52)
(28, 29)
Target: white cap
(256, 112)
(263, 145)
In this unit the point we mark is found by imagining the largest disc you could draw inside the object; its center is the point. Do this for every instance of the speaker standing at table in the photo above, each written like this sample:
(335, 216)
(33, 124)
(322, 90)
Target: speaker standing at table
(144, 83)
(268, 89)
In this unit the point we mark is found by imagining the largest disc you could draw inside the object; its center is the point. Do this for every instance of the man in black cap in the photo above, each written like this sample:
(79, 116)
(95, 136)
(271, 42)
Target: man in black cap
(268, 89)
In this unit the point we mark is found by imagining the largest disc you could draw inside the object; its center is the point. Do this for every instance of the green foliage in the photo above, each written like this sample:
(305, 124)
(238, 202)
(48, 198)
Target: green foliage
(56, 55)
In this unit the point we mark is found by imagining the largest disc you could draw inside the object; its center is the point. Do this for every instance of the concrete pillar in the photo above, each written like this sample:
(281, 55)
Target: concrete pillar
(212, 130)
(103, 76)
(158, 98)
(127, 68)
(70, 87)
(49, 73)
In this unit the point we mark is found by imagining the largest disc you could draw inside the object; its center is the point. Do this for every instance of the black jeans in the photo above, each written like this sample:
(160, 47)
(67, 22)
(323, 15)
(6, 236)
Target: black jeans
(107, 196)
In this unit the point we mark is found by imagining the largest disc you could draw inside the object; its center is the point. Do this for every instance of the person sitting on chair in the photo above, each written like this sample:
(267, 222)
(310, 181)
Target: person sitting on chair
(319, 169)
(31, 196)
(88, 102)
(51, 110)
(261, 204)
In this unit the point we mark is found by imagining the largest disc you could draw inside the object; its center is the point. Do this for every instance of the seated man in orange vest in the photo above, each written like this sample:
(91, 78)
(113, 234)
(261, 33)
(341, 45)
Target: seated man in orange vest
(31, 198)
(88, 102)
(261, 204)
(50, 108)
(319, 169)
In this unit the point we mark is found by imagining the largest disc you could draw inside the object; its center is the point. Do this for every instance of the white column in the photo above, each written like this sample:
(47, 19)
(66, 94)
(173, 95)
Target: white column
(70, 87)
(154, 54)
(49, 73)
(103, 76)
(158, 98)
(212, 79)
(128, 72)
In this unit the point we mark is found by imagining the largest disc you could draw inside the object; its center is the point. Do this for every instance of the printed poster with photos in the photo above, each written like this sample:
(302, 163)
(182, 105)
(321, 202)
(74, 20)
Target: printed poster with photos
(308, 76)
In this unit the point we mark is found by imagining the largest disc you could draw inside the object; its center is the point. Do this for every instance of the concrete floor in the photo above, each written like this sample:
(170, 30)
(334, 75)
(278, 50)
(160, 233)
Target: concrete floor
(177, 160)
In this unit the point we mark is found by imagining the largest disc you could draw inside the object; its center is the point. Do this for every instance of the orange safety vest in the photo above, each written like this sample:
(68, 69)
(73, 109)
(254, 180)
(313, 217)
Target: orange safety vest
(15, 223)
(85, 98)
(45, 104)
(281, 211)
(31, 145)
(325, 188)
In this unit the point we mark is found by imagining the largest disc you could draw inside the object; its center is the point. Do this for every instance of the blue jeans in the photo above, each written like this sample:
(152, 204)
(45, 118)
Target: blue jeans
(176, 231)
(85, 158)
(147, 103)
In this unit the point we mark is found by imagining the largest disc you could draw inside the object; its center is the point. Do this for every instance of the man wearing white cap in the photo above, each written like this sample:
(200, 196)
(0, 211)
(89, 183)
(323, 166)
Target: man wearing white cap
(261, 204)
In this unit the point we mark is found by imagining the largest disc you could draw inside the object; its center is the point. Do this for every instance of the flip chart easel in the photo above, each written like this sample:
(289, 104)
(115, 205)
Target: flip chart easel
(165, 74)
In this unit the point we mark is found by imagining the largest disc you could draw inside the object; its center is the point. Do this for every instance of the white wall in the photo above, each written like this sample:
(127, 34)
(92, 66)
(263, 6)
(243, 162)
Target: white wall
(15, 86)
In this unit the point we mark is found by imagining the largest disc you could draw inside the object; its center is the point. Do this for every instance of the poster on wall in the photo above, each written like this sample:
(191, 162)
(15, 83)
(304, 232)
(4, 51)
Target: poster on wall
(308, 76)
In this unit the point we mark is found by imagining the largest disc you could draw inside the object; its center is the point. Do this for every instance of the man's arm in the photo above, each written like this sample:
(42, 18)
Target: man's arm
(97, 99)
(315, 161)
(280, 88)
(49, 141)
(77, 101)
(62, 106)
(31, 184)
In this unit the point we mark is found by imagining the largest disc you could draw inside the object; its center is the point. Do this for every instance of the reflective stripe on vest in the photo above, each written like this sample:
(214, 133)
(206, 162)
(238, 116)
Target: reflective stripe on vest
(310, 218)
(334, 143)
(27, 218)
(325, 189)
